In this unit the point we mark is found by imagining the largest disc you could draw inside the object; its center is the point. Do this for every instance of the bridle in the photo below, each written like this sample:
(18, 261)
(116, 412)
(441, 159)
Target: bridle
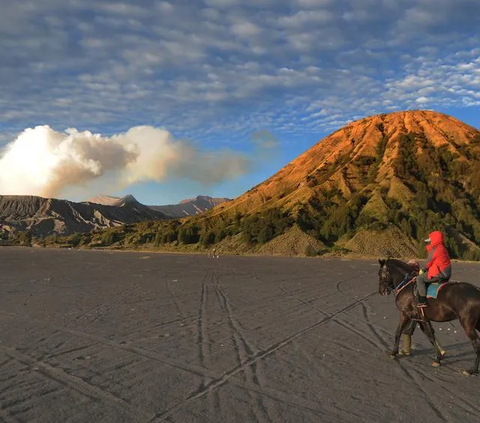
(387, 278)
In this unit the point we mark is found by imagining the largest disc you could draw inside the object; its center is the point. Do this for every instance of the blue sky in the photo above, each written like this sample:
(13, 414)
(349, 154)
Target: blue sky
(215, 72)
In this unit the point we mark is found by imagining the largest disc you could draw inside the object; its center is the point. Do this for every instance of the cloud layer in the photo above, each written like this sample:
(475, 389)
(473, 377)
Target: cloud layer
(208, 68)
(42, 161)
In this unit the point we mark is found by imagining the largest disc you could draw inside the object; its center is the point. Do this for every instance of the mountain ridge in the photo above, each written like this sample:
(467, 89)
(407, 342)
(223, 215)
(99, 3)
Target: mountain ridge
(376, 186)
(46, 216)
(187, 207)
(403, 174)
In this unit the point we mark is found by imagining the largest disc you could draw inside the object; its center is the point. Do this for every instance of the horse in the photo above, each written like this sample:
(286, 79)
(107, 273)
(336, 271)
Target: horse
(457, 300)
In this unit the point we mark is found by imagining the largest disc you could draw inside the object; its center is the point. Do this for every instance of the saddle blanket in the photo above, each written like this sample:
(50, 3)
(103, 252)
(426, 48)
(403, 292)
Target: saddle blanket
(434, 288)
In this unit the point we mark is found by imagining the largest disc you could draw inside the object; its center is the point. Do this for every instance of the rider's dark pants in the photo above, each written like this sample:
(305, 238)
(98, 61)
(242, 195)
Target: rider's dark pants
(422, 280)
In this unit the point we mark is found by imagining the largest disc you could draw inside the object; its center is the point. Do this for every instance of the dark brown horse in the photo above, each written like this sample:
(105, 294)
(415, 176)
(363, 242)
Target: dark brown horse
(457, 300)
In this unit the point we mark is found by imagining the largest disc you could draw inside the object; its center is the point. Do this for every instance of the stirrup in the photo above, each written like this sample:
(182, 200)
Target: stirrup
(421, 314)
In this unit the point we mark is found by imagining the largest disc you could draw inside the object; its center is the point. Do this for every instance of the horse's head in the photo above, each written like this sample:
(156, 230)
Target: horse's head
(391, 274)
(385, 281)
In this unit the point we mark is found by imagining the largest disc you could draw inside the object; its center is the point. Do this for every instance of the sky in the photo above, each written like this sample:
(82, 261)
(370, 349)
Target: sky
(169, 100)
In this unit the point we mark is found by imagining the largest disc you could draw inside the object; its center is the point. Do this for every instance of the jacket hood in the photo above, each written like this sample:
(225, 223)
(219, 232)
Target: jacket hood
(436, 237)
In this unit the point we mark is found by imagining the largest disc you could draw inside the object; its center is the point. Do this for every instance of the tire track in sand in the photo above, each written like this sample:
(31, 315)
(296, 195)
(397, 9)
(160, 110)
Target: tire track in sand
(342, 324)
(65, 379)
(289, 398)
(203, 344)
(244, 351)
(428, 398)
(257, 356)
(202, 336)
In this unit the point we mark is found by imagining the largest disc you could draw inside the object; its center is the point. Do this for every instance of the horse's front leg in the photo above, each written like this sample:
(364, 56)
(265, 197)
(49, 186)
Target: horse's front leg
(404, 321)
(407, 338)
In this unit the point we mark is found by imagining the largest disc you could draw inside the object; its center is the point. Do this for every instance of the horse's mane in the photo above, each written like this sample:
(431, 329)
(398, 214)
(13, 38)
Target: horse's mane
(399, 263)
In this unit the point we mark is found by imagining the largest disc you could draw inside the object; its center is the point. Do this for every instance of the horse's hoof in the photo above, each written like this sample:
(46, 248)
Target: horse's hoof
(466, 373)
(393, 356)
(405, 353)
(436, 364)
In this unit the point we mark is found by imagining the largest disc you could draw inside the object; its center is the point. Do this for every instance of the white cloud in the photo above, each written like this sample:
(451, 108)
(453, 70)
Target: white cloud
(313, 3)
(165, 7)
(222, 3)
(422, 100)
(304, 17)
(246, 29)
(41, 161)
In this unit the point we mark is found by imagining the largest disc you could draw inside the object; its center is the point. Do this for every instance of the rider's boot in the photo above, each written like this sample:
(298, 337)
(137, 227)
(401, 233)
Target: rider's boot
(406, 344)
(422, 301)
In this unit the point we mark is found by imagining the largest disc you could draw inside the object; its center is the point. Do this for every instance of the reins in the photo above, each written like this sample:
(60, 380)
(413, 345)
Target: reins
(403, 285)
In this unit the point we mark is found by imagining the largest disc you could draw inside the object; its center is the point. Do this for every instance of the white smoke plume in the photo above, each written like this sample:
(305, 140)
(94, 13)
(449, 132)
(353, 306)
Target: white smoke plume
(42, 161)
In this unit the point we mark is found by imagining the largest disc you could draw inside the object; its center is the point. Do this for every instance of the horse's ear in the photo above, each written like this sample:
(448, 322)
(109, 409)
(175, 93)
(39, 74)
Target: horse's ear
(382, 262)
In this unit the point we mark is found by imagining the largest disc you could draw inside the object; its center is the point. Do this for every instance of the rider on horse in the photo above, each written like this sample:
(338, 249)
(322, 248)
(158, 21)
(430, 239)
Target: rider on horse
(438, 268)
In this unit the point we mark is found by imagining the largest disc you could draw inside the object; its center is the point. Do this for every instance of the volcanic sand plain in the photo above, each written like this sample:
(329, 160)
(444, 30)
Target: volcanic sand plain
(102, 336)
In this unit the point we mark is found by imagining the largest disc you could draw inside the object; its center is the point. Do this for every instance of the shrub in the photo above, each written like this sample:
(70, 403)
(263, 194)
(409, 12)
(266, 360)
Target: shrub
(264, 226)
(473, 255)
(220, 234)
(365, 161)
(75, 239)
(189, 234)
(208, 238)
(310, 251)
(108, 238)
(169, 236)
(25, 238)
(266, 234)
(158, 239)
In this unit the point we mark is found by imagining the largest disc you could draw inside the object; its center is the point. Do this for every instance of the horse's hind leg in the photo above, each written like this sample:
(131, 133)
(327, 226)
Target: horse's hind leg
(427, 329)
(437, 345)
(469, 327)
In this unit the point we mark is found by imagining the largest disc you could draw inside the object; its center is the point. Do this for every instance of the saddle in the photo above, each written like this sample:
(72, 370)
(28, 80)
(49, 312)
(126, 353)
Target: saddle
(433, 290)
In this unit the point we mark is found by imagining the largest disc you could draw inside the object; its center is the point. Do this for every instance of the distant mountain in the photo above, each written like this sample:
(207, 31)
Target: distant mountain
(45, 216)
(105, 200)
(376, 186)
(188, 207)
(191, 206)
(129, 201)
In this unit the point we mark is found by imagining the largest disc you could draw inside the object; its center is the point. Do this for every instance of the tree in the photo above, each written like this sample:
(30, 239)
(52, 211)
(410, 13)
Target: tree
(108, 238)
(75, 239)
(189, 234)
(207, 238)
(265, 234)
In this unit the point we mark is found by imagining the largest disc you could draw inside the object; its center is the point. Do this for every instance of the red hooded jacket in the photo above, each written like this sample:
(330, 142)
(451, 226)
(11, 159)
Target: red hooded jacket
(438, 261)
